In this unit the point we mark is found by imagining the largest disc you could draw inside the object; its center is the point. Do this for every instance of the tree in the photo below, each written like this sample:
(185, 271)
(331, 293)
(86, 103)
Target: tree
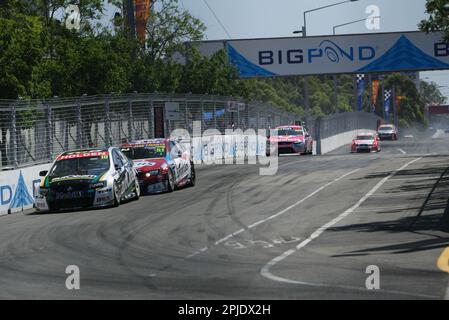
(438, 19)
(411, 108)
(169, 28)
(430, 93)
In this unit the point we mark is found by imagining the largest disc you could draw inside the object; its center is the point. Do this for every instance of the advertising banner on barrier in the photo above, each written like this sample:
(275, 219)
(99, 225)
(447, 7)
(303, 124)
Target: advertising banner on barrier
(17, 188)
(380, 52)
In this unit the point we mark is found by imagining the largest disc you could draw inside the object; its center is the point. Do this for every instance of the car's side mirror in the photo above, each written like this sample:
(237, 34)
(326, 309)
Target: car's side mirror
(307, 135)
(117, 167)
(179, 154)
(43, 173)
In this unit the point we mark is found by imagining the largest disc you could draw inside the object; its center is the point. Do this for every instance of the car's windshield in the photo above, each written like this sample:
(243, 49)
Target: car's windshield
(365, 137)
(80, 165)
(145, 152)
(289, 132)
(386, 128)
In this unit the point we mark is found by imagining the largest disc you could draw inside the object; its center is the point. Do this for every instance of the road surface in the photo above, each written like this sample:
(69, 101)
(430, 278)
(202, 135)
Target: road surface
(309, 232)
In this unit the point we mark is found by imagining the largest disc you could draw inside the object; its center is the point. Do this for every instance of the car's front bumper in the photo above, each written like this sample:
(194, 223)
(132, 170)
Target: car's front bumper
(88, 199)
(154, 183)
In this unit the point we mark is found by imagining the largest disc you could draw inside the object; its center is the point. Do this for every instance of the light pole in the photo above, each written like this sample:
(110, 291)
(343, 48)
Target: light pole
(334, 33)
(304, 34)
(352, 22)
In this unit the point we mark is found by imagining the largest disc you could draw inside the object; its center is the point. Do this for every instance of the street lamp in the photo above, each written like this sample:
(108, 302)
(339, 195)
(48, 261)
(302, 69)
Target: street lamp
(348, 23)
(304, 28)
(304, 34)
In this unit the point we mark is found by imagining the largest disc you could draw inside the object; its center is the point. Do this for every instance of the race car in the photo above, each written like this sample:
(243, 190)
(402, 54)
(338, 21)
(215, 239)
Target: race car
(365, 142)
(87, 179)
(162, 164)
(291, 139)
(387, 131)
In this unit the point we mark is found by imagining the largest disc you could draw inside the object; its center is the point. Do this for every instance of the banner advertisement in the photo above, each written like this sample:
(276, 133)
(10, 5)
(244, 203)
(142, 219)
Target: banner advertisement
(381, 52)
(142, 14)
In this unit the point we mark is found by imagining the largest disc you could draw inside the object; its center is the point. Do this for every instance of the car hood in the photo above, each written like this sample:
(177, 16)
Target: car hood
(287, 139)
(364, 141)
(70, 179)
(144, 165)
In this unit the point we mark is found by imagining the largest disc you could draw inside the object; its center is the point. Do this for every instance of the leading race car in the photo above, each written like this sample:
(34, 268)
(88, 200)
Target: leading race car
(365, 142)
(87, 179)
(162, 164)
(291, 139)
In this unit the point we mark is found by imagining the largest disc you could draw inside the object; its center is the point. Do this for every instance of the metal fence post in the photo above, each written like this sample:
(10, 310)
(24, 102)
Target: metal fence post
(49, 132)
(14, 133)
(107, 124)
(79, 126)
(318, 135)
(151, 119)
(130, 119)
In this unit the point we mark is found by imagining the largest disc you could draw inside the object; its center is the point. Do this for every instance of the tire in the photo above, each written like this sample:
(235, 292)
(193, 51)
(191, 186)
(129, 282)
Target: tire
(117, 199)
(171, 185)
(192, 178)
(136, 191)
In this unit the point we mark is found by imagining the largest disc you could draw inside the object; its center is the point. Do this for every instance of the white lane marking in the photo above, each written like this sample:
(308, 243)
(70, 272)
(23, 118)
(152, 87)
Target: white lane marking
(446, 296)
(255, 224)
(402, 151)
(265, 271)
(417, 178)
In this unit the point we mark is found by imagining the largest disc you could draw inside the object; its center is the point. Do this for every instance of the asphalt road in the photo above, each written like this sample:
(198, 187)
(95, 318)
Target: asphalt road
(308, 232)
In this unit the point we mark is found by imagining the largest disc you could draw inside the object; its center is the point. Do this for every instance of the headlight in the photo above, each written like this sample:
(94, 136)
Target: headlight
(299, 143)
(98, 185)
(152, 173)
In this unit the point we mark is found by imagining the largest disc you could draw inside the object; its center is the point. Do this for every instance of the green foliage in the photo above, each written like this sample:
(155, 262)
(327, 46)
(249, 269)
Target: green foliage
(22, 47)
(438, 20)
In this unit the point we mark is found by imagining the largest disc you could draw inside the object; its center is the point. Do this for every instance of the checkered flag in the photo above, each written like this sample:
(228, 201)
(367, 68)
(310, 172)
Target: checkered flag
(360, 77)
(387, 94)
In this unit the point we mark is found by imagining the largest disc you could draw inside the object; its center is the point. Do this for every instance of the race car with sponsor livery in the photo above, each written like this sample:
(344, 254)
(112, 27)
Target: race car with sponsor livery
(162, 164)
(365, 142)
(291, 139)
(387, 131)
(87, 179)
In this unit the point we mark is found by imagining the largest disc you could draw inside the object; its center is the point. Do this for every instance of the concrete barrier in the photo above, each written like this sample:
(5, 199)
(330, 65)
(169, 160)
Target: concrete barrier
(18, 187)
(331, 143)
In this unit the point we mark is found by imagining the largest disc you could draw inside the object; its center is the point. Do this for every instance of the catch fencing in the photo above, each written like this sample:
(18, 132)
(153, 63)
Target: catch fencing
(36, 131)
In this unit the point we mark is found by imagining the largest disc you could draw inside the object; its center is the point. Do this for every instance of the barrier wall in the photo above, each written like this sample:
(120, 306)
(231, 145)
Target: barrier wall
(17, 188)
(331, 143)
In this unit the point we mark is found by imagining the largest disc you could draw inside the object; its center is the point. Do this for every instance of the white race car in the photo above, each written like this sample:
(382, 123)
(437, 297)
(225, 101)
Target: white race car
(87, 179)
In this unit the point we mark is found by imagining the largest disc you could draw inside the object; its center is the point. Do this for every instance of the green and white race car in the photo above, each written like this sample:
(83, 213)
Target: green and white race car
(87, 179)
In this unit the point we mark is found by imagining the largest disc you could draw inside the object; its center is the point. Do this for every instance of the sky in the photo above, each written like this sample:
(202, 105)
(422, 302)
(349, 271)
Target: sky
(242, 19)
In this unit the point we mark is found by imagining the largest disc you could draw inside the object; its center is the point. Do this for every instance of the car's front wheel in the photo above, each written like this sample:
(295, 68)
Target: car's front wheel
(170, 181)
(117, 199)
(136, 191)
(192, 178)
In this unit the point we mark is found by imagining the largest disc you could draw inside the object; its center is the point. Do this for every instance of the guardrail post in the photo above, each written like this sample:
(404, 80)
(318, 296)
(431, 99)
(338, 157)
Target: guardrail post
(14, 134)
(107, 123)
(151, 119)
(79, 125)
(318, 135)
(130, 120)
(215, 115)
(49, 132)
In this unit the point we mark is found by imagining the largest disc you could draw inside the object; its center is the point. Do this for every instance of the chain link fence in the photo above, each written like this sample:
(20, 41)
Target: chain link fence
(36, 131)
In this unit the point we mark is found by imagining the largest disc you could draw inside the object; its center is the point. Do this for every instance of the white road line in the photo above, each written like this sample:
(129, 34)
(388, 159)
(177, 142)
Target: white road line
(402, 151)
(255, 224)
(446, 296)
(265, 271)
